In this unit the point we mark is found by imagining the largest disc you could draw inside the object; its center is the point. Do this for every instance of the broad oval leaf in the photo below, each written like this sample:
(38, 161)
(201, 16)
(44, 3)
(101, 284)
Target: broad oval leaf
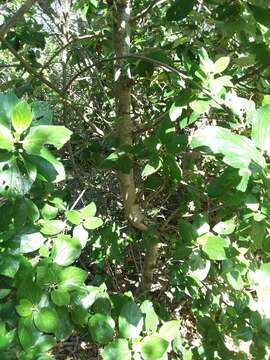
(21, 116)
(46, 319)
(52, 227)
(170, 330)
(92, 223)
(153, 347)
(60, 297)
(130, 320)
(24, 308)
(66, 250)
(214, 247)
(261, 128)
(7, 104)
(72, 277)
(101, 328)
(45, 135)
(117, 350)
(42, 113)
(27, 332)
(238, 151)
(29, 240)
(6, 138)
(221, 64)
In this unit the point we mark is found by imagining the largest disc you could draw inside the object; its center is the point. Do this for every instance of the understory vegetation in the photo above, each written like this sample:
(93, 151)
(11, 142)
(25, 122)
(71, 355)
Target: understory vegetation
(135, 179)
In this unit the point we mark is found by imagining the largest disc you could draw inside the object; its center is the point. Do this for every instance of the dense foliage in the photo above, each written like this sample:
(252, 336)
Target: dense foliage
(135, 179)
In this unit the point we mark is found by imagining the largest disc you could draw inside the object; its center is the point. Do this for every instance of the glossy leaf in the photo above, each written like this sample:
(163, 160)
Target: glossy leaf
(130, 320)
(6, 138)
(21, 116)
(45, 134)
(170, 330)
(101, 328)
(60, 297)
(214, 247)
(46, 320)
(221, 64)
(72, 277)
(261, 128)
(89, 210)
(153, 347)
(238, 151)
(116, 350)
(29, 240)
(66, 250)
(92, 223)
(28, 333)
(24, 308)
(7, 104)
(52, 227)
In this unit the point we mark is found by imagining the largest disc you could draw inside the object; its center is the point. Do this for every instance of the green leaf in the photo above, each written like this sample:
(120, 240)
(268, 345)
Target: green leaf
(172, 168)
(80, 233)
(21, 116)
(49, 212)
(261, 15)
(49, 168)
(66, 250)
(73, 216)
(224, 227)
(180, 9)
(29, 240)
(200, 106)
(65, 327)
(153, 347)
(151, 321)
(72, 277)
(28, 333)
(221, 64)
(199, 267)
(92, 223)
(24, 308)
(89, 210)
(101, 328)
(6, 138)
(175, 112)
(45, 134)
(60, 297)
(214, 247)
(117, 350)
(6, 338)
(152, 167)
(42, 113)
(7, 104)
(52, 227)
(46, 320)
(234, 278)
(238, 151)
(80, 315)
(9, 264)
(15, 180)
(170, 330)
(261, 128)
(130, 320)
(44, 343)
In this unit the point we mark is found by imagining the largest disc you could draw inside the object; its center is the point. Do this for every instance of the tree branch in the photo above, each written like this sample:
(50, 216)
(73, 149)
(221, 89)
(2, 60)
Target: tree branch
(14, 19)
(45, 81)
(147, 10)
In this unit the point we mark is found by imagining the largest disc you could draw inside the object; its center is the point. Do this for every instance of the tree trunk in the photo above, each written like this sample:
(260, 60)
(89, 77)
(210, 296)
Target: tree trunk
(122, 90)
(124, 127)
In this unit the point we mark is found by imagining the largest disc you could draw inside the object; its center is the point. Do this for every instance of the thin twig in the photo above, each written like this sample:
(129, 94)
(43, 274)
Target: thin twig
(15, 18)
(147, 10)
